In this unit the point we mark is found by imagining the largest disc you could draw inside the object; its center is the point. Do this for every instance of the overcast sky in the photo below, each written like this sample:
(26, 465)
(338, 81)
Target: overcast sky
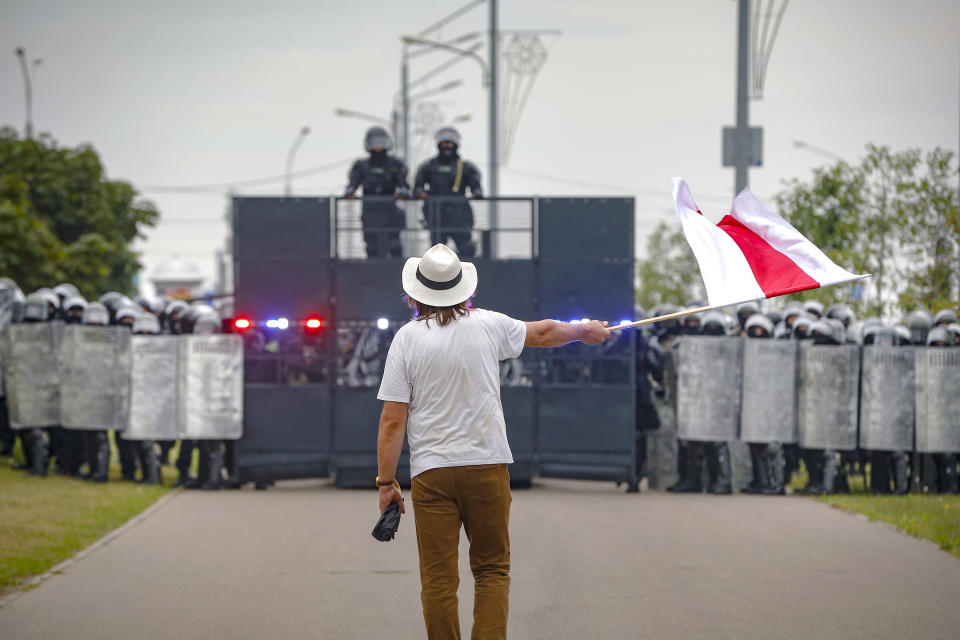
(632, 93)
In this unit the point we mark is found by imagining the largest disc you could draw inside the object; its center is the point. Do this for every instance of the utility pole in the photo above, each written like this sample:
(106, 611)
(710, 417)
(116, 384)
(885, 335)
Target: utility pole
(494, 103)
(405, 97)
(742, 130)
(494, 150)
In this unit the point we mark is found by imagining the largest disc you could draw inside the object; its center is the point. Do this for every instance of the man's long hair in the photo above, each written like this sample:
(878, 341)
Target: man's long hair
(442, 315)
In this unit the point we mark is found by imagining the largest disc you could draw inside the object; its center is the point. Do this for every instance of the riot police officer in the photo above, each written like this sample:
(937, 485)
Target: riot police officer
(37, 307)
(69, 445)
(382, 178)
(203, 320)
(137, 454)
(766, 458)
(96, 443)
(946, 463)
(443, 181)
(8, 293)
(886, 464)
(125, 315)
(716, 454)
(171, 318)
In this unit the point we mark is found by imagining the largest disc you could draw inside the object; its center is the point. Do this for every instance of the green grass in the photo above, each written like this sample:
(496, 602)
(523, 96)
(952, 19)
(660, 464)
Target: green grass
(927, 516)
(45, 520)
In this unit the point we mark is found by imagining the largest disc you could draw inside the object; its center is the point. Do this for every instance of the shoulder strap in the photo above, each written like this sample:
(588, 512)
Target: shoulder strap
(459, 176)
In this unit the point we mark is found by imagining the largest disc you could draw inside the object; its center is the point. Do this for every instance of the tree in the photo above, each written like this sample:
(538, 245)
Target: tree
(61, 219)
(893, 215)
(669, 274)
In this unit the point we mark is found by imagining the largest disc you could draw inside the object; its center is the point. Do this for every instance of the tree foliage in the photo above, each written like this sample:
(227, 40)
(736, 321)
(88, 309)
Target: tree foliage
(61, 219)
(669, 274)
(893, 215)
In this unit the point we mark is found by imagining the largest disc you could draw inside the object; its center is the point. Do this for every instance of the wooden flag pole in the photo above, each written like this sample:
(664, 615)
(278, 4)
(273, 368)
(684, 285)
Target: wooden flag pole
(669, 316)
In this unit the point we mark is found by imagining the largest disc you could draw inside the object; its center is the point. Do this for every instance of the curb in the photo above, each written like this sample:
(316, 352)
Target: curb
(109, 537)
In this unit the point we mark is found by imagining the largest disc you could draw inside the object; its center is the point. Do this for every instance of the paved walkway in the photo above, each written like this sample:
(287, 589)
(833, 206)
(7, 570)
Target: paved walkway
(588, 562)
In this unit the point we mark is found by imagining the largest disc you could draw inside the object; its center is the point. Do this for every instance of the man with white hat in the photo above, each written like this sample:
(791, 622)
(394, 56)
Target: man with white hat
(441, 385)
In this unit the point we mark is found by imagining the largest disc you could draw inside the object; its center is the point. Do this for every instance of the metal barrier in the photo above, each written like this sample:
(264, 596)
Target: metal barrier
(363, 227)
(311, 403)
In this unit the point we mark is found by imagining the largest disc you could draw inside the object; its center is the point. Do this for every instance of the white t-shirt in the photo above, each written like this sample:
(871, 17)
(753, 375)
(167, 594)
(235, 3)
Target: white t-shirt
(450, 377)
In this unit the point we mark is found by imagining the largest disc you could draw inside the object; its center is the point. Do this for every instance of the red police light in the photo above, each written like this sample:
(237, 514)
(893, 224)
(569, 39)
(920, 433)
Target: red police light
(242, 324)
(313, 323)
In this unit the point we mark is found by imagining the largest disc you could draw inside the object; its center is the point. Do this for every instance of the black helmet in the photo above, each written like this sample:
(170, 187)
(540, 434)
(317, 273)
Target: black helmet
(945, 316)
(823, 332)
(714, 324)
(841, 312)
(801, 326)
(73, 308)
(746, 310)
(127, 313)
(813, 307)
(758, 326)
(939, 337)
(96, 313)
(377, 137)
(65, 290)
(919, 322)
(447, 134)
(36, 308)
(146, 322)
(774, 316)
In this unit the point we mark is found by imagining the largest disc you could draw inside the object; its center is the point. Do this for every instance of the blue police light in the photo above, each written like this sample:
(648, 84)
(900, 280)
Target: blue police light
(626, 321)
(584, 320)
(271, 324)
(383, 323)
(575, 321)
(277, 323)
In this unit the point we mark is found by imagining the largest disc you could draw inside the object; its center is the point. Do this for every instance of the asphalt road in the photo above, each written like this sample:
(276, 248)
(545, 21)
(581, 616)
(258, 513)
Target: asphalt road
(589, 561)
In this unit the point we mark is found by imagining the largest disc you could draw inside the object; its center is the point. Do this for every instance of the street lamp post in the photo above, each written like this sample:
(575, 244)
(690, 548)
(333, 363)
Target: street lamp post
(27, 88)
(288, 187)
(489, 81)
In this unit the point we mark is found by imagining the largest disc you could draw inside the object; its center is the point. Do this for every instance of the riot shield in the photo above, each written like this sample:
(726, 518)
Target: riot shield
(210, 400)
(769, 408)
(827, 396)
(95, 377)
(708, 387)
(153, 388)
(938, 399)
(887, 398)
(30, 367)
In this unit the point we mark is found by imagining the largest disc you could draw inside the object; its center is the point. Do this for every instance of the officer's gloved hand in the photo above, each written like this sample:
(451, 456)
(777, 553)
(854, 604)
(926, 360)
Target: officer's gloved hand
(402, 194)
(388, 524)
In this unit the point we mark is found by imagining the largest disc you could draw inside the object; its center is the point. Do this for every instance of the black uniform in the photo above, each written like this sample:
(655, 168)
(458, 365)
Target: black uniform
(444, 180)
(381, 177)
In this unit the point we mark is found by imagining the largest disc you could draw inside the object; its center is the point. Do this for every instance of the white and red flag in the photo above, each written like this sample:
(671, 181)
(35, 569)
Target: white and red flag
(752, 253)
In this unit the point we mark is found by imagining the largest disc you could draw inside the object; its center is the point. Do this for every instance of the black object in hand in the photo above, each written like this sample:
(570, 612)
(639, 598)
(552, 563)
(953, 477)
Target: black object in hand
(388, 524)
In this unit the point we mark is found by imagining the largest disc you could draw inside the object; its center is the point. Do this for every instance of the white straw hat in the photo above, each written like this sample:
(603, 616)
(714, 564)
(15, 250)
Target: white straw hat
(439, 279)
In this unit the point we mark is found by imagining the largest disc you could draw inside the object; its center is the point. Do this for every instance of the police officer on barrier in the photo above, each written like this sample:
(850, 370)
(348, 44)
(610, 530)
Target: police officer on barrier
(443, 181)
(382, 178)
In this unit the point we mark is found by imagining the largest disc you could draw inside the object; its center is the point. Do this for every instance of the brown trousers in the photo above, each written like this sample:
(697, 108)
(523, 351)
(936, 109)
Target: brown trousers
(478, 497)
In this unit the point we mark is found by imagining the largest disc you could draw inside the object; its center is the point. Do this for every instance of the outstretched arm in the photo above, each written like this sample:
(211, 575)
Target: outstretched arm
(551, 333)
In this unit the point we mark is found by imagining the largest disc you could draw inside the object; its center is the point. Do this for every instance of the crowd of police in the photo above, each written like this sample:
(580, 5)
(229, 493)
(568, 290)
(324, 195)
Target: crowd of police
(774, 462)
(442, 182)
(85, 453)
